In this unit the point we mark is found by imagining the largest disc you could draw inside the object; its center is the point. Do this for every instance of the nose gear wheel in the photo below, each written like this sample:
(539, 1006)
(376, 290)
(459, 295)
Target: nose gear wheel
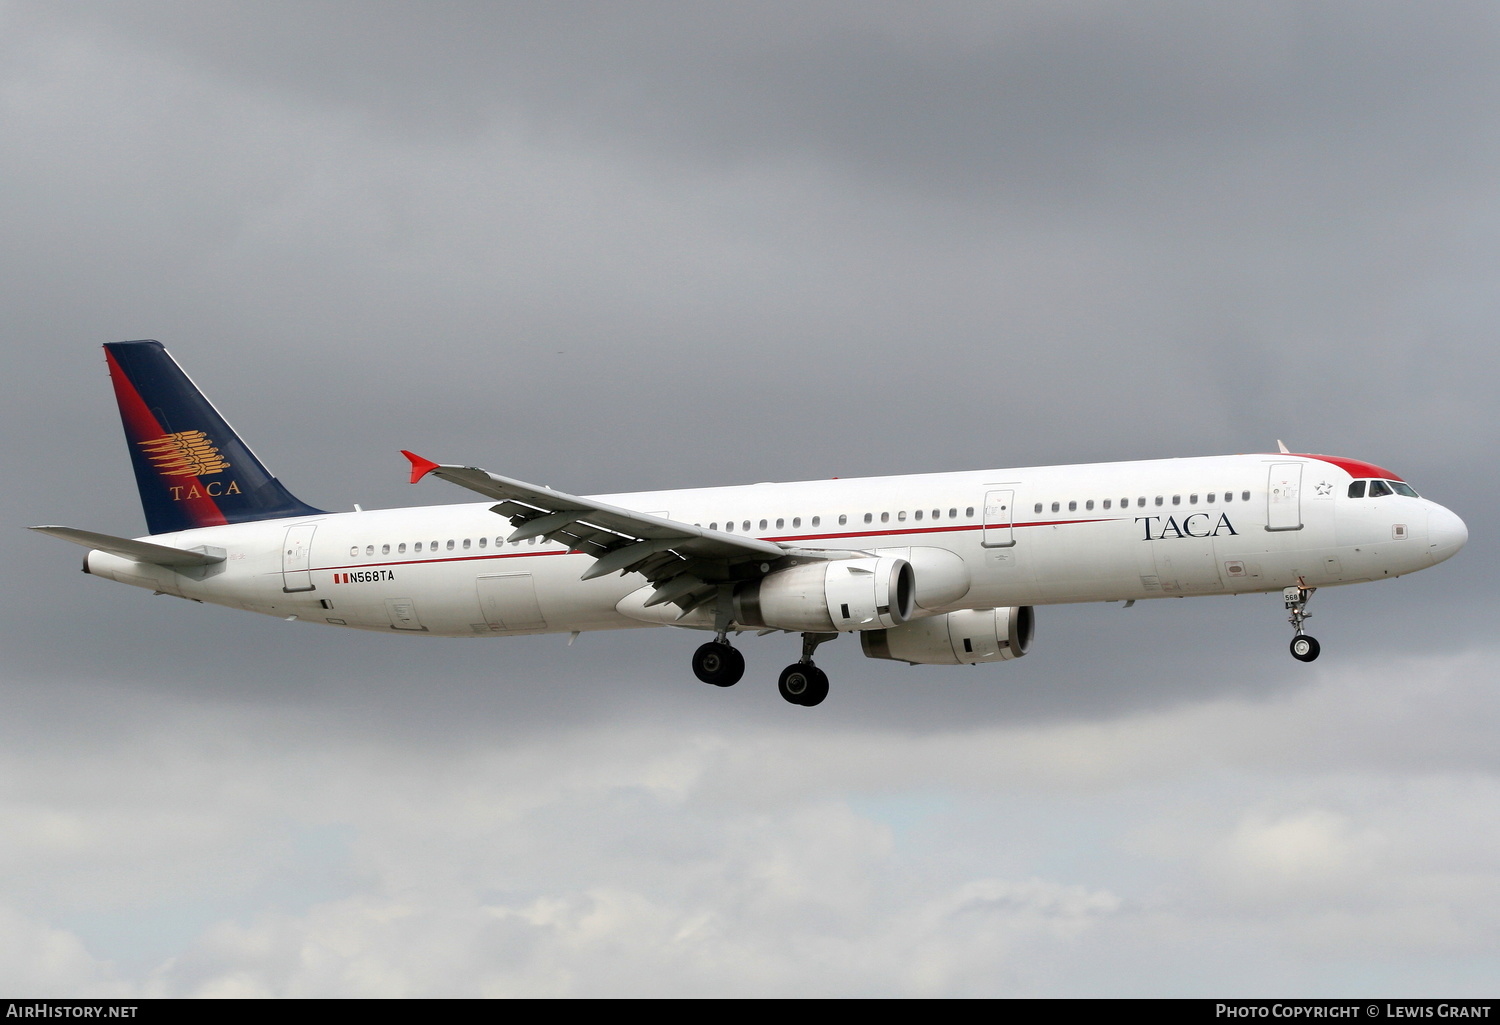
(1304, 647)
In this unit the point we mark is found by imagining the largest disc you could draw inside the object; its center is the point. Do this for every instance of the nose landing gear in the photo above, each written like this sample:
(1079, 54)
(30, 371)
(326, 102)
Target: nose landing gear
(1304, 647)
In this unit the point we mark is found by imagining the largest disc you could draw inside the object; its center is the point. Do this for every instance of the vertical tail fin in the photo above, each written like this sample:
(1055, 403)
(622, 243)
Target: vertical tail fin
(190, 466)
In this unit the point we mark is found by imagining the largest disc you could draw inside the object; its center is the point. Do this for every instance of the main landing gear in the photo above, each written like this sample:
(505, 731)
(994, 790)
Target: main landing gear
(719, 663)
(1304, 647)
(802, 683)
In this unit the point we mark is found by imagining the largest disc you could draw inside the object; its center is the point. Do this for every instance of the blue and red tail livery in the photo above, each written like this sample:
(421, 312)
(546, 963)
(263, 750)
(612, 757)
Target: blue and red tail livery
(190, 466)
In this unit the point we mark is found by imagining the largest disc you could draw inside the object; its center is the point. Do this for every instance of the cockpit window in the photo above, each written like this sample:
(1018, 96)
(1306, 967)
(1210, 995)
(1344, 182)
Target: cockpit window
(1404, 489)
(1379, 489)
(1357, 489)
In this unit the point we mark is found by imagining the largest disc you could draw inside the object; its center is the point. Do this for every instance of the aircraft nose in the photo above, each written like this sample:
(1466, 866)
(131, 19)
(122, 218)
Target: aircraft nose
(1446, 533)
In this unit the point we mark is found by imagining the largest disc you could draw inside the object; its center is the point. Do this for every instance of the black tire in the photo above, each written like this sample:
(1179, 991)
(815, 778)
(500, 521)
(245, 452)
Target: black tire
(803, 683)
(719, 664)
(1305, 648)
(819, 690)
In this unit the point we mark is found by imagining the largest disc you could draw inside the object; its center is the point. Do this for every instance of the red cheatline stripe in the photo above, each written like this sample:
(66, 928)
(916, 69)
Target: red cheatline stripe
(141, 425)
(938, 530)
(799, 537)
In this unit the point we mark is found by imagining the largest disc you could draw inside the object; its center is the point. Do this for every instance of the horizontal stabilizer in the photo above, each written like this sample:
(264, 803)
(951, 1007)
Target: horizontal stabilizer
(140, 551)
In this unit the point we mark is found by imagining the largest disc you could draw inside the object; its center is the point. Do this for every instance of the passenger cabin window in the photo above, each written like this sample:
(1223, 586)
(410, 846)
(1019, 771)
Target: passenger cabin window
(818, 519)
(1072, 507)
(843, 519)
(369, 549)
(869, 517)
(1106, 503)
(780, 523)
(1244, 496)
(1089, 504)
(1158, 500)
(1037, 508)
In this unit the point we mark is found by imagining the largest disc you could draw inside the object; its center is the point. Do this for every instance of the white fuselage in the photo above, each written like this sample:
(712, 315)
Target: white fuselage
(982, 539)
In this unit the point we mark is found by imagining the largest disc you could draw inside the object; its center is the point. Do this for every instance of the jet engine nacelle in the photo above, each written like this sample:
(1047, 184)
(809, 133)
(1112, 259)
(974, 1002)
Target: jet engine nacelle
(955, 638)
(828, 597)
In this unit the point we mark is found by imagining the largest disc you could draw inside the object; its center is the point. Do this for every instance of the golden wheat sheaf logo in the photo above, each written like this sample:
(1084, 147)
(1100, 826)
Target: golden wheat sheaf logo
(184, 454)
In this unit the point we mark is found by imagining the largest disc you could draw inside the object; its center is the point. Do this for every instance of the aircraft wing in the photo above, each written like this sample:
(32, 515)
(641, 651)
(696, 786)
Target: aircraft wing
(140, 551)
(687, 563)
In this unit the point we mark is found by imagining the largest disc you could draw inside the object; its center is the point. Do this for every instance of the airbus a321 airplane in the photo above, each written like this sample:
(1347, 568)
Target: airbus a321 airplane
(932, 569)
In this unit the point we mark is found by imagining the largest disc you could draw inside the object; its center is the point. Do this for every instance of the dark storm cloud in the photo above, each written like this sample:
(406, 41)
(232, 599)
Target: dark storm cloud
(973, 97)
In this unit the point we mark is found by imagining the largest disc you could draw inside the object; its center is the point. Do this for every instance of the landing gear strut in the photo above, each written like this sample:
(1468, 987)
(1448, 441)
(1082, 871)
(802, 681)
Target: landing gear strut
(718, 662)
(1304, 647)
(803, 683)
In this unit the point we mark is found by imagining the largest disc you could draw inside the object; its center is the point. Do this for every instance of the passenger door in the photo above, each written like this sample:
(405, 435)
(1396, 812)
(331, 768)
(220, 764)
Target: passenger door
(999, 519)
(296, 558)
(1284, 497)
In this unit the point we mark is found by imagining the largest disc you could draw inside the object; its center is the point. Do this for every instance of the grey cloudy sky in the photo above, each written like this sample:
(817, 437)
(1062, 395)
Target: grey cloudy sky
(614, 247)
